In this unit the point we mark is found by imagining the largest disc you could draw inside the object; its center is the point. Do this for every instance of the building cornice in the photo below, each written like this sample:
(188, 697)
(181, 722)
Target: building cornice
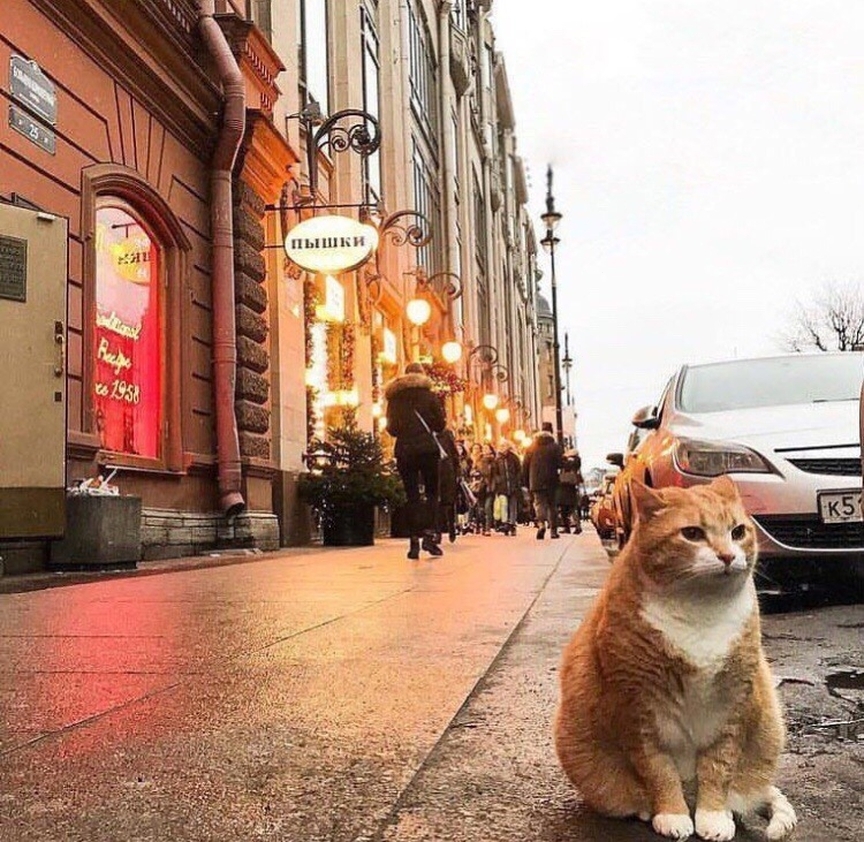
(150, 49)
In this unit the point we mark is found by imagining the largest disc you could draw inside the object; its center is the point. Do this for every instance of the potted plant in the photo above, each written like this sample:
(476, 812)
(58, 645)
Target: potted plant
(348, 478)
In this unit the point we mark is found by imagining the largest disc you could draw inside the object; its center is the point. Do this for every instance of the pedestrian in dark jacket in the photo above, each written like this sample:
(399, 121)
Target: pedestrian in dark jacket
(508, 483)
(569, 483)
(414, 413)
(449, 475)
(483, 485)
(540, 469)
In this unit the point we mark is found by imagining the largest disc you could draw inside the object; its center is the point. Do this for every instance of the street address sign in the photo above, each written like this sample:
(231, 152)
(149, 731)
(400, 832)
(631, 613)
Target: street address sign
(33, 89)
(330, 244)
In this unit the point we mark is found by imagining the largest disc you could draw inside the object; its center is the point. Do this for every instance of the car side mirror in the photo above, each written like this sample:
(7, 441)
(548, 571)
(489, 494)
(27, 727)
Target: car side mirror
(616, 459)
(646, 418)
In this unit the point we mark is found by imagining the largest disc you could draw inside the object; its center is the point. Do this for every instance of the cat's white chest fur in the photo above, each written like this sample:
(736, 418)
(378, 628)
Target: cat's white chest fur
(704, 633)
(702, 630)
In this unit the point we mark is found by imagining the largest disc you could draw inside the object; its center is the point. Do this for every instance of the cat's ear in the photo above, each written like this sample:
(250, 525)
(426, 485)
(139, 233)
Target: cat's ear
(725, 486)
(648, 502)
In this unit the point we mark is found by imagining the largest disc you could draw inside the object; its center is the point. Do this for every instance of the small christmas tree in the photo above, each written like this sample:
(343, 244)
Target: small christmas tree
(348, 471)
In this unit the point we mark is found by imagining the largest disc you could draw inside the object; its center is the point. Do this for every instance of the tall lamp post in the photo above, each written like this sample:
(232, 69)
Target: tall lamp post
(567, 362)
(551, 219)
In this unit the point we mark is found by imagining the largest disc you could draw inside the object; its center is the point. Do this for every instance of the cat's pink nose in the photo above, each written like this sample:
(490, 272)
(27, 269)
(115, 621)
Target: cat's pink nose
(726, 558)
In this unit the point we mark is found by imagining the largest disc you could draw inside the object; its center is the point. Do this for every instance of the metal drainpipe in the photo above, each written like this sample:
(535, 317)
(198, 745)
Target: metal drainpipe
(222, 232)
(445, 88)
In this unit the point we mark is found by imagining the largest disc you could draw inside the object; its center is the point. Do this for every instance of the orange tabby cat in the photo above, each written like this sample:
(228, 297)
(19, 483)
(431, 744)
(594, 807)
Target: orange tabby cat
(666, 681)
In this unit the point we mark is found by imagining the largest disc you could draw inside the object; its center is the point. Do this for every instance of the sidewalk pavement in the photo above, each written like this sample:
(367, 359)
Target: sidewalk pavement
(22, 582)
(290, 697)
(302, 696)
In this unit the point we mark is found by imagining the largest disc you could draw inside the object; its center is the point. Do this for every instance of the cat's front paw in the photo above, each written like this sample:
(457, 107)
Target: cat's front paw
(717, 825)
(673, 825)
(783, 818)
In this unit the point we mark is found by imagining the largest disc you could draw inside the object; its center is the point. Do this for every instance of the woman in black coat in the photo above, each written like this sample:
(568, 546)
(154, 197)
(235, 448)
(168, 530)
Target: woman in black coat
(414, 413)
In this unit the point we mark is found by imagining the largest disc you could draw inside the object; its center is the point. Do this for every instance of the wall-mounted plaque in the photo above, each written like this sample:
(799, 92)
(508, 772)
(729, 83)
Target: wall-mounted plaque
(13, 268)
(32, 129)
(31, 87)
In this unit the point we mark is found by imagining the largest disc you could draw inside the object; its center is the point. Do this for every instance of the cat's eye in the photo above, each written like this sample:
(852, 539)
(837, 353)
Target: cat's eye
(693, 533)
(739, 532)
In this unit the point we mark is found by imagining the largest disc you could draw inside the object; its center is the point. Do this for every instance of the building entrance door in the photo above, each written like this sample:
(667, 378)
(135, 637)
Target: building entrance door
(33, 270)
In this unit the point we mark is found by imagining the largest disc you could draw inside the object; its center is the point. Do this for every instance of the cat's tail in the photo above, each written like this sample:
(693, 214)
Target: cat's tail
(774, 805)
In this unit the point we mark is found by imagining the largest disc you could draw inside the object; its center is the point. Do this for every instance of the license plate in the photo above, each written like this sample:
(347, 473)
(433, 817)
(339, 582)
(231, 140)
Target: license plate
(840, 507)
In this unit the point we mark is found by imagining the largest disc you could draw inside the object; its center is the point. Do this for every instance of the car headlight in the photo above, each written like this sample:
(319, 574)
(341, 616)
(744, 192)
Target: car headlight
(712, 458)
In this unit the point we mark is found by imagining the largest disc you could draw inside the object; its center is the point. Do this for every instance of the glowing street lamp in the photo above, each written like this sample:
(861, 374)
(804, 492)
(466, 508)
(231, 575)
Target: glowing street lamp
(490, 401)
(451, 351)
(418, 311)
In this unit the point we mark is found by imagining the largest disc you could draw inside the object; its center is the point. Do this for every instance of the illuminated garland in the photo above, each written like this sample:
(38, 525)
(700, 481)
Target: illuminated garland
(376, 369)
(348, 343)
(444, 379)
(311, 299)
(311, 415)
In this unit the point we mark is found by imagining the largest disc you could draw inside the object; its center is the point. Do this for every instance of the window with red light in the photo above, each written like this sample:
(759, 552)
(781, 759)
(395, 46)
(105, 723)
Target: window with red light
(127, 347)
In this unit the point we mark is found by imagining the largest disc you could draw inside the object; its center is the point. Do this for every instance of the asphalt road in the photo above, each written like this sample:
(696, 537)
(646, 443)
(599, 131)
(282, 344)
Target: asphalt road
(353, 695)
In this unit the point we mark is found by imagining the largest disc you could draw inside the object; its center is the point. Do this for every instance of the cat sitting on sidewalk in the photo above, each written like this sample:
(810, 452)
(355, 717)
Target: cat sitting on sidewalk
(666, 682)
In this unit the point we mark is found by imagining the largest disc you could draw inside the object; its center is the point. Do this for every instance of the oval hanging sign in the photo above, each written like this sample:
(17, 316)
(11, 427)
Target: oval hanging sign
(330, 244)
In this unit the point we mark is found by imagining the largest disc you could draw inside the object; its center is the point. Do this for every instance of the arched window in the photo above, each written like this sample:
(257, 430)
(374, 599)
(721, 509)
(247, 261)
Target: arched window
(134, 272)
(127, 346)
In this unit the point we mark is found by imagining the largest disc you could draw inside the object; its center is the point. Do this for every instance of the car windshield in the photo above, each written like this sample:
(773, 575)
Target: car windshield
(773, 381)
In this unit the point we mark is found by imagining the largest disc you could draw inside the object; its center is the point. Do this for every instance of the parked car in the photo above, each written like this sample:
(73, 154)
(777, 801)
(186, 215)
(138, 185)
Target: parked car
(602, 513)
(786, 429)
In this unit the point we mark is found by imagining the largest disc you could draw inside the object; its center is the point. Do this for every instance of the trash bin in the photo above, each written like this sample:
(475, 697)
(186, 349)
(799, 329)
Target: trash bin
(101, 531)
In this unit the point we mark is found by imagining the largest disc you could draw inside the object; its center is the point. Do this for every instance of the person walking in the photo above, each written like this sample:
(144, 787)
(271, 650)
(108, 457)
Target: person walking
(414, 415)
(540, 474)
(450, 472)
(482, 485)
(508, 484)
(569, 483)
(486, 466)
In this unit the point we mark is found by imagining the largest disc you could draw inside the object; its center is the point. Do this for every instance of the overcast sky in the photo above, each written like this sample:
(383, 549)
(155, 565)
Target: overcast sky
(709, 163)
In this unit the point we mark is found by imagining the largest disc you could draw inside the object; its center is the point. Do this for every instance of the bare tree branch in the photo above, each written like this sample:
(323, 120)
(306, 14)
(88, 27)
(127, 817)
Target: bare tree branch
(833, 321)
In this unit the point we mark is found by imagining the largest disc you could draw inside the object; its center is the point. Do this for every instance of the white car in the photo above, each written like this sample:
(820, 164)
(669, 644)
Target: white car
(786, 429)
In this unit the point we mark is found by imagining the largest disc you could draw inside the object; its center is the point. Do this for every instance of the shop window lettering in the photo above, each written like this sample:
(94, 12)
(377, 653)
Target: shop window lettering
(119, 390)
(126, 344)
(116, 325)
(116, 359)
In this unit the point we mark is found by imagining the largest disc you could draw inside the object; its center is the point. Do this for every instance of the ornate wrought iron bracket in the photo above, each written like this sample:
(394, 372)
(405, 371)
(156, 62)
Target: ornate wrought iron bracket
(397, 230)
(362, 136)
(487, 356)
(446, 284)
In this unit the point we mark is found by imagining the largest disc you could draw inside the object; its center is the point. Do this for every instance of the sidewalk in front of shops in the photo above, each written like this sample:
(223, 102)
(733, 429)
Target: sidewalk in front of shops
(22, 582)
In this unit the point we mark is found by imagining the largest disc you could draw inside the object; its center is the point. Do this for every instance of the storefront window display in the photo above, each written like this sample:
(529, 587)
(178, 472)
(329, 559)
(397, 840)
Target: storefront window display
(127, 361)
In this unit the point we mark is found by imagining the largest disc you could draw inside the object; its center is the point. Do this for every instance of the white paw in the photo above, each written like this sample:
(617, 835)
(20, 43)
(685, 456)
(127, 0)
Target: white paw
(717, 825)
(673, 825)
(783, 817)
